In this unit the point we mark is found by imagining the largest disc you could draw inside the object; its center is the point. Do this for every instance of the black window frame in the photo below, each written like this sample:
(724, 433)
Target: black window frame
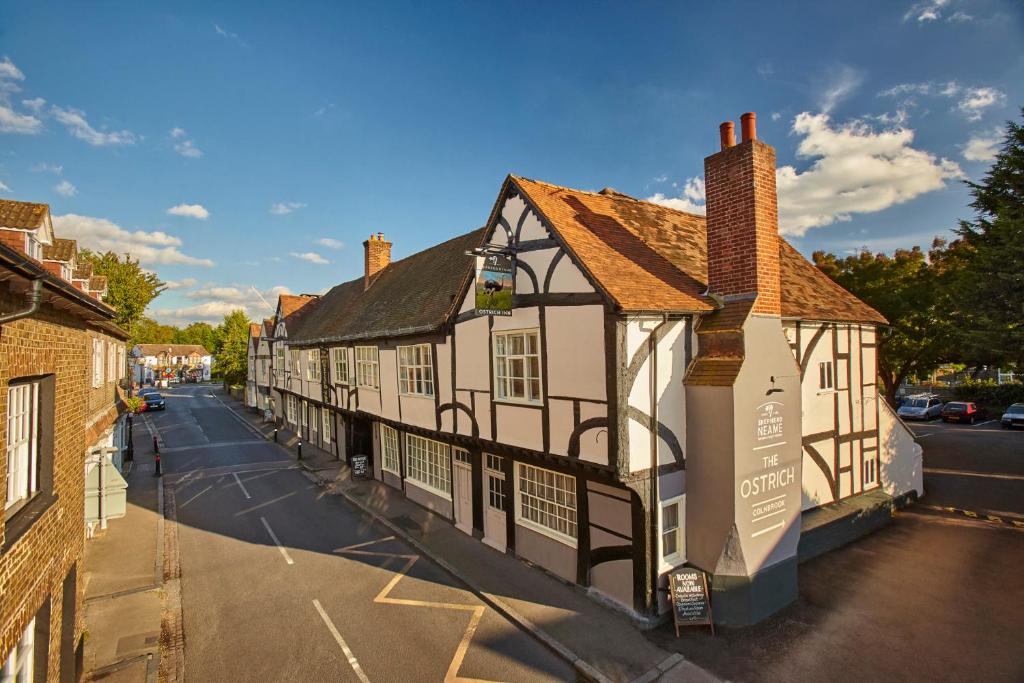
(19, 520)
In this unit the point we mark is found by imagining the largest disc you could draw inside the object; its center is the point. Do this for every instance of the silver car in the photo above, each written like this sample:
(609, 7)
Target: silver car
(920, 408)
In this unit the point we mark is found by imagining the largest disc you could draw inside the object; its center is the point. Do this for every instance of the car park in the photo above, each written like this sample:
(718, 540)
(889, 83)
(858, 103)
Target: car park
(154, 401)
(920, 408)
(963, 411)
(1013, 417)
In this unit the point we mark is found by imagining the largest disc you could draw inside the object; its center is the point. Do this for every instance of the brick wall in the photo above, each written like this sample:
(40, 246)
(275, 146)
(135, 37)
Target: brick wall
(33, 568)
(743, 224)
(378, 256)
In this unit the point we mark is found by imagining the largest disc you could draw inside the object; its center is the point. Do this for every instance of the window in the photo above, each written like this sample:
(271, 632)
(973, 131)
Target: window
(279, 350)
(296, 367)
(389, 449)
(33, 247)
(314, 423)
(825, 379)
(870, 472)
(305, 414)
(461, 455)
(340, 365)
(290, 408)
(313, 365)
(20, 664)
(546, 502)
(22, 442)
(495, 463)
(415, 370)
(517, 366)
(326, 418)
(671, 531)
(426, 462)
(111, 361)
(367, 370)
(120, 362)
(97, 363)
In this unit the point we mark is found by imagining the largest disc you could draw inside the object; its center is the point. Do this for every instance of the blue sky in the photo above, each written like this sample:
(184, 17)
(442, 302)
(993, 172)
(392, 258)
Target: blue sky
(242, 145)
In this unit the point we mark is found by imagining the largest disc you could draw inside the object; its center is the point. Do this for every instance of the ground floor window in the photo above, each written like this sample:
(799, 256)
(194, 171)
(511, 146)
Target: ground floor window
(870, 472)
(22, 442)
(290, 407)
(305, 414)
(428, 463)
(671, 531)
(389, 449)
(327, 424)
(546, 502)
(314, 420)
(19, 665)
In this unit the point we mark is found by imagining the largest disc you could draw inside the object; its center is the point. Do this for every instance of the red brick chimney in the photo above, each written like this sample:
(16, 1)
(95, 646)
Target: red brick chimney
(378, 256)
(743, 218)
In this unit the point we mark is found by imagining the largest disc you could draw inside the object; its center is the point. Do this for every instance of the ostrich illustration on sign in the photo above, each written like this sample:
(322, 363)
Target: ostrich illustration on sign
(494, 284)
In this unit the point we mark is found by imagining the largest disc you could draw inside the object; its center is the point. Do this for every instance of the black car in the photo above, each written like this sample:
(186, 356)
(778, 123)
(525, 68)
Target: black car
(1013, 417)
(154, 401)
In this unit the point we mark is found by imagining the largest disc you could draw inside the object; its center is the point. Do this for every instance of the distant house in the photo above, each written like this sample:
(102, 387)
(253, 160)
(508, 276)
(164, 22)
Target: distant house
(153, 362)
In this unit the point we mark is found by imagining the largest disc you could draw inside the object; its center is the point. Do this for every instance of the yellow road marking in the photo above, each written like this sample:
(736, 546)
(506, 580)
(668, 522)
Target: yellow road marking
(476, 611)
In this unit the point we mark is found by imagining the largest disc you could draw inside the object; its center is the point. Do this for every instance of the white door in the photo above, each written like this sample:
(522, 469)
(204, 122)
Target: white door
(495, 503)
(463, 490)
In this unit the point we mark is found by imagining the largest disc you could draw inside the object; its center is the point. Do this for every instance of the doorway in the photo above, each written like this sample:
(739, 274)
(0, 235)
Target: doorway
(462, 494)
(495, 503)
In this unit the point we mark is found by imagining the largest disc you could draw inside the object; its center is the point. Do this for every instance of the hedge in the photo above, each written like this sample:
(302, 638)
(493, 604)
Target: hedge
(988, 393)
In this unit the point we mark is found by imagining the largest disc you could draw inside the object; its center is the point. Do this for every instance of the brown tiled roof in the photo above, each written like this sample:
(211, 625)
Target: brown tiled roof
(175, 349)
(720, 349)
(254, 330)
(83, 271)
(416, 294)
(268, 327)
(61, 250)
(650, 257)
(22, 215)
(97, 283)
(294, 307)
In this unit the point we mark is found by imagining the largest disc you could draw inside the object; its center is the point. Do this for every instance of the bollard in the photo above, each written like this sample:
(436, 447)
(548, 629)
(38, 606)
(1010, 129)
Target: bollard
(158, 472)
(275, 434)
(300, 450)
(156, 448)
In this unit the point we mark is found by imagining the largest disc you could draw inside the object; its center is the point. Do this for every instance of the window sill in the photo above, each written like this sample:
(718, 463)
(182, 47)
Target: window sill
(19, 522)
(669, 564)
(544, 531)
(426, 396)
(429, 489)
(518, 402)
(368, 388)
(826, 392)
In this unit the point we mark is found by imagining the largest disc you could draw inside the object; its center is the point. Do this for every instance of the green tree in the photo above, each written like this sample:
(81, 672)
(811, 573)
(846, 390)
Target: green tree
(200, 333)
(148, 331)
(907, 289)
(129, 288)
(992, 252)
(231, 356)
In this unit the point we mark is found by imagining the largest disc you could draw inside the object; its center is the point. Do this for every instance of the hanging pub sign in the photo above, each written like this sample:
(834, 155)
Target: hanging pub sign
(494, 284)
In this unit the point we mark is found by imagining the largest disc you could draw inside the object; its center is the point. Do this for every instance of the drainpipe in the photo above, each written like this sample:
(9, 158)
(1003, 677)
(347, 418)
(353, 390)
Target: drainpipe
(33, 297)
(655, 502)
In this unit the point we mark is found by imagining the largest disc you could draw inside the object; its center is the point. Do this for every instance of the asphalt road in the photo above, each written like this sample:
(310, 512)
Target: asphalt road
(281, 582)
(973, 467)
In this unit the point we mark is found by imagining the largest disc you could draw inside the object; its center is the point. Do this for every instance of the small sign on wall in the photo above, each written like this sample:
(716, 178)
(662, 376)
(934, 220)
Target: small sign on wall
(688, 593)
(495, 283)
(360, 467)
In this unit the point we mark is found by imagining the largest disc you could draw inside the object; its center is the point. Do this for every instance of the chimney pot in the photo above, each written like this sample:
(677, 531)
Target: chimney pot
(748, 123)
(727, 132)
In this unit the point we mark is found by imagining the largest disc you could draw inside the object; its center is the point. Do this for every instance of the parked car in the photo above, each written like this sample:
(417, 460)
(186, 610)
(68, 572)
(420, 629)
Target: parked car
(141, 393)
(920, 408)
(1013, 417)
(154, 401)
(963, 411)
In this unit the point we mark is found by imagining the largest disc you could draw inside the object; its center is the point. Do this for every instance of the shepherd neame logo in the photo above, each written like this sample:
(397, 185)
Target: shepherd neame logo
(769, 421)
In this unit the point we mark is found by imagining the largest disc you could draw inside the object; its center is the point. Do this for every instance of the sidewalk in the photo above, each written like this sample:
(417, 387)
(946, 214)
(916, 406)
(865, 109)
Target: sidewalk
(602, 644)
(123, 576)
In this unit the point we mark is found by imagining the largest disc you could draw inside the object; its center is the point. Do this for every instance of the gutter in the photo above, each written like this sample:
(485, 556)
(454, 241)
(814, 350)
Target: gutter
(386, 334)
(32, 298)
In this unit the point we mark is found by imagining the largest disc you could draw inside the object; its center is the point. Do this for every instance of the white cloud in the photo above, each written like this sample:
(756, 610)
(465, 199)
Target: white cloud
(74, 120)
(983, 146)
(184, 283)
(282, 208)
(35, 104)
(190, 210)
(177, 132)
(188, 149)
(842, 84)
(976, 100)
(65, 188)
(330, 243)
(100, 234)
(214, 302)
(925, 11)
(776, 115)
(972, 101)
(13, 122)
(4, 188)
(9, 71)
(228, 34)
(55, 169)
(691, 201)
(310, 256)
(857, 170)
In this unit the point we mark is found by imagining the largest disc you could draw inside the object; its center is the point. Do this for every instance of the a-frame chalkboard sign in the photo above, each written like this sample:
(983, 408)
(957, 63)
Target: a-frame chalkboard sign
(691, 603)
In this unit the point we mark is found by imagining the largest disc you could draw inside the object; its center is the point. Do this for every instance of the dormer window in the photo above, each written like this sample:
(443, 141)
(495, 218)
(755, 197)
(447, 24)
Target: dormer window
(32, 246)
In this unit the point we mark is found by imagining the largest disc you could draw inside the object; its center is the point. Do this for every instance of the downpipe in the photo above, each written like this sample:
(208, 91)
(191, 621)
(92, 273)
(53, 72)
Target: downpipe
(33, 297)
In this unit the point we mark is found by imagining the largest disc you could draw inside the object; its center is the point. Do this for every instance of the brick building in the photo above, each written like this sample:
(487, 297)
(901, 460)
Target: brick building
(61, 359)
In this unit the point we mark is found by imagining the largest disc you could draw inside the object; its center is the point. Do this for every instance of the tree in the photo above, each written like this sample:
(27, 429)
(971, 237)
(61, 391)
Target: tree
(992, 251)
(200, 333)
(906, 289)
(129, 288)
(232, 352)
(149, 331)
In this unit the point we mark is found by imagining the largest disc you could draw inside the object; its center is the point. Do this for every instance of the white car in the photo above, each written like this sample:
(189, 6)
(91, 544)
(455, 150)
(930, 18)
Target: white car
(920, 408)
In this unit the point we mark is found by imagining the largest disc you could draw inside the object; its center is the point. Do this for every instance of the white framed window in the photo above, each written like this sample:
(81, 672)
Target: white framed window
(20, 664)
(367, 367)
(305, 414)
(496, 490)
(97, 363)
(546, 502)
(313, 365)
(340, 362)
(296, 367)
(325, 415)
(671, 540)
(870, 474)
(279, 351)
(22, 442)
(389, 449)
(427, 464)
(33, 247)
(120, 362)
(461, 455)
(290, 408)
(495, 463)
(111, 361)
(415, 370)
(314, 422)
(826, 379)
(517, 366)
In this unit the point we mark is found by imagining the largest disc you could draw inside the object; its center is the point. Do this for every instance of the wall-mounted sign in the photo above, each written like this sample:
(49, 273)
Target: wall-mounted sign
(360, 467)
(767, 488)
(691, 604)
(494, 284)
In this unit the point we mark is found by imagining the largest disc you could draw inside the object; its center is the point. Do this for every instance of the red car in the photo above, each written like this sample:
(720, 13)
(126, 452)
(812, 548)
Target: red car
(961, 411)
